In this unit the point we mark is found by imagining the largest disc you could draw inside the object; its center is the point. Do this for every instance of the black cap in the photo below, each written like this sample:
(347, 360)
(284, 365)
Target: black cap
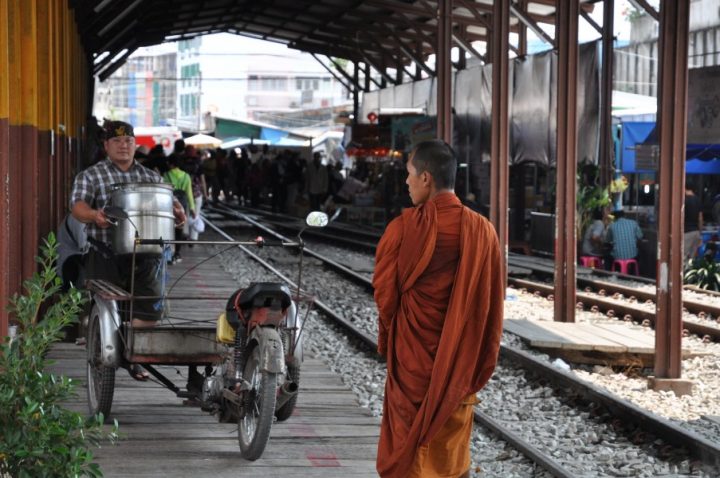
(114, 129)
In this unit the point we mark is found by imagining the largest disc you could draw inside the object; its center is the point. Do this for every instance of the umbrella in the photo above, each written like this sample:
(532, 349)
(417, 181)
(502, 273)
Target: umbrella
(240, 142)
(203, 141)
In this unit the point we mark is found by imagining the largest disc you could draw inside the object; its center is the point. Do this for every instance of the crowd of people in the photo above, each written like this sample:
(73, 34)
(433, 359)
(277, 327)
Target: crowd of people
(281, 180)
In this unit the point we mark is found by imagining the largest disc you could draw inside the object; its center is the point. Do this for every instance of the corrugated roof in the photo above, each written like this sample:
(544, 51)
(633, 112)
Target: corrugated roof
(382, 33)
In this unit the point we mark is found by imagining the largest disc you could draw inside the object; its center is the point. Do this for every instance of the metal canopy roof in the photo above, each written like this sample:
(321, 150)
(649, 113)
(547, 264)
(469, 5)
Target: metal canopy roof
(381, 33)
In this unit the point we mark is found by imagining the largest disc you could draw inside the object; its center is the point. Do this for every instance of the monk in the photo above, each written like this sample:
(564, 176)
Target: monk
(439, 292)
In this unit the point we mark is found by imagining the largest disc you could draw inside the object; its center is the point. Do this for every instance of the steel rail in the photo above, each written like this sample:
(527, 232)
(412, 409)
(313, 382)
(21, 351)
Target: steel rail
(619, 309)
(359, 334)
(334, 230)
(698, 446)
(584, 280)
(335, 265)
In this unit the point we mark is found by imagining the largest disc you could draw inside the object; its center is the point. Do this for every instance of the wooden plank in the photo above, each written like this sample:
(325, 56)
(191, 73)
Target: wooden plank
(530, 332)
(586, 338)
(327, 436)
(636, 341)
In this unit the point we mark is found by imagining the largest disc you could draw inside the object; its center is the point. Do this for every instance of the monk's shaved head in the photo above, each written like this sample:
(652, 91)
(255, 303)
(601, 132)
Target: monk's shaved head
(437, 158)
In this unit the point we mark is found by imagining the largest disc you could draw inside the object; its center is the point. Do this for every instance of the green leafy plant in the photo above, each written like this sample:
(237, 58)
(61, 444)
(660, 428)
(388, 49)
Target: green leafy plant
(39, 437)
(704, 273)
(589, 197)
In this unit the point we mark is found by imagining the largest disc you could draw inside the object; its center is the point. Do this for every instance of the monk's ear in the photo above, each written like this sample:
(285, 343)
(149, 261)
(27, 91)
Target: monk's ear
(427, 178)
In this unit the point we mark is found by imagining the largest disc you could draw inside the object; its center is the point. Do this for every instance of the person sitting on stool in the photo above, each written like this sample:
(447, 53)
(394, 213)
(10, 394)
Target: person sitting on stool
(624, 233)
(594, 236)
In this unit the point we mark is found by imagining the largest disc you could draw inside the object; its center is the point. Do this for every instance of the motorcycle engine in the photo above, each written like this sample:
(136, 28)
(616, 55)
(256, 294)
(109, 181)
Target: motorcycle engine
(212, 389)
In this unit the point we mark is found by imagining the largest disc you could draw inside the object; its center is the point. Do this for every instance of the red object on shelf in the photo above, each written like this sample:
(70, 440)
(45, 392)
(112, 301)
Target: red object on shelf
(372, 117)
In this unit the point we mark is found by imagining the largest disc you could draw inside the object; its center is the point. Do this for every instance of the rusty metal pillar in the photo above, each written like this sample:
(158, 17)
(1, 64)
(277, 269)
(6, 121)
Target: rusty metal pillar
(356, 92)
(566, 37)
(605, 161)
(443, 70)
(672, 124)
(367, 76)
(522, 34)
(500, 139)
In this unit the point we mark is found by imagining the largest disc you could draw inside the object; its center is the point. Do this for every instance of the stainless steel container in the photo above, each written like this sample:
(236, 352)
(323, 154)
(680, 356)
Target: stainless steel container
(150, 209)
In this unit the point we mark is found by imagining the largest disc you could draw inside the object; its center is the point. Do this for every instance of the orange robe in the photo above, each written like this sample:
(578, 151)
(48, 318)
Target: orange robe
(439, 291)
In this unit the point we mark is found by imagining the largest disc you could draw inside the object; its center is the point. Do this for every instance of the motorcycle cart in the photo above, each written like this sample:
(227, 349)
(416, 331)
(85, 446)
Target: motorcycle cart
(250, 377)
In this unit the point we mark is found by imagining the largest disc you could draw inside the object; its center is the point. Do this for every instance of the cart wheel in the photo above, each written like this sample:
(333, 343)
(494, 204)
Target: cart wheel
(284, 412)
(100, 379)
(254, 426)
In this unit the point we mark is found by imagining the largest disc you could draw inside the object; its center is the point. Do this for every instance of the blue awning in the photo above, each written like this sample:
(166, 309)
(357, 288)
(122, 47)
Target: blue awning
(701, 158)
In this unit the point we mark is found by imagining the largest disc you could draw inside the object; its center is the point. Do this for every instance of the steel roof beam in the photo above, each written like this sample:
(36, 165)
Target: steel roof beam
(329, 70)
(530, 23)
(397, 60)
(125, 12)
(466, 46)
(417, 60)
(643, 5)
(112, 68)
(344, 73)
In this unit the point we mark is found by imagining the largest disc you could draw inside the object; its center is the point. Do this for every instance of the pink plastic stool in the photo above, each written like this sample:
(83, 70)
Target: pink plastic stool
(624, 266)
(591, 261)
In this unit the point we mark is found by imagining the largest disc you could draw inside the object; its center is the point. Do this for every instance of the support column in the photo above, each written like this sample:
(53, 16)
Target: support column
(443, 70)
(672, 125)
(522, 34)
(566, 38)
(356, 92)
(367, 76)
(6, 276)
(500, 139)
(605, 161)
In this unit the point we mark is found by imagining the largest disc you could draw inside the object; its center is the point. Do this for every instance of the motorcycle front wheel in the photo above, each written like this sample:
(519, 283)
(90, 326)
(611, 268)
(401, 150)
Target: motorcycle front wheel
(259, 407)
(100, 379)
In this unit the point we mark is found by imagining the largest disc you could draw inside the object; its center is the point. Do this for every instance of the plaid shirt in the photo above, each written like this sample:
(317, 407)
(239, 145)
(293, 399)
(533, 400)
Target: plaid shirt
(624, 234)
(93, 187)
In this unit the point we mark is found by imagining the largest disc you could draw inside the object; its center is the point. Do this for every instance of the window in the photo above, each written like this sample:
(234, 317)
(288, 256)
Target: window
(267, 83)
(304, 84)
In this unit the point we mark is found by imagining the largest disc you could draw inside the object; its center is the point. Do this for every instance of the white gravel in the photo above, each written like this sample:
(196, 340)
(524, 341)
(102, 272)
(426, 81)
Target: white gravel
(533, 411)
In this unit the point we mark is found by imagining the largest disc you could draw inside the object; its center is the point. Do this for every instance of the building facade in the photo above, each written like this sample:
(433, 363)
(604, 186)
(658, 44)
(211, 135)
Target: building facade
(636, 64)
(143, 91)
(225, 75)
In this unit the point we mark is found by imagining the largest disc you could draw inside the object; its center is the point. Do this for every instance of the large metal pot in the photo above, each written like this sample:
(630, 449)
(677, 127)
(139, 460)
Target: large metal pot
(150, 209)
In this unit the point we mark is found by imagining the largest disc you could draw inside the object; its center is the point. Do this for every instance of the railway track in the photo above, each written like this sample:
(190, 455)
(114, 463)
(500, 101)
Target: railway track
(535, 455)
(698, 446)
(615, 308)
(352, 236)
(585, 300)
(587, 277)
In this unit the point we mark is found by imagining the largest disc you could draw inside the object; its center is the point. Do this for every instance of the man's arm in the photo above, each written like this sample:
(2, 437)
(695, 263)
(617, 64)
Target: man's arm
(84, 213)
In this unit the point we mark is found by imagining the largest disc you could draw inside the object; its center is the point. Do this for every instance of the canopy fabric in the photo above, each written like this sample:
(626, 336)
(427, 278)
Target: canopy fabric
(240, 142)
(701, 158)
(203, 141)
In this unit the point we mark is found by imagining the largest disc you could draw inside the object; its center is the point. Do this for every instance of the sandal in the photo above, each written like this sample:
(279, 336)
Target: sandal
(138, 373)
